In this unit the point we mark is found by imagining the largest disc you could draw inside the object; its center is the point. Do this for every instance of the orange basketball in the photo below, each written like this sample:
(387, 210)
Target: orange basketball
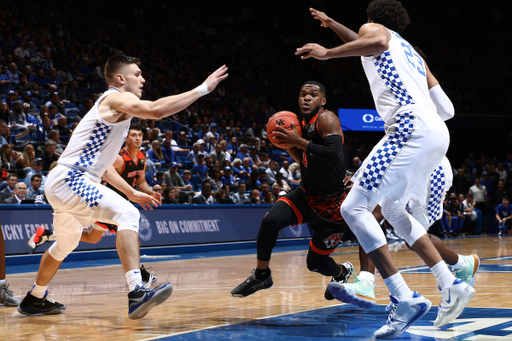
(283, 119)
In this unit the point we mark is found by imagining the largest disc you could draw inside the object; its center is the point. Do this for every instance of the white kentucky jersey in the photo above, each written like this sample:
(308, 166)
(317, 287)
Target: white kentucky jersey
(397, 77)
(95, 143)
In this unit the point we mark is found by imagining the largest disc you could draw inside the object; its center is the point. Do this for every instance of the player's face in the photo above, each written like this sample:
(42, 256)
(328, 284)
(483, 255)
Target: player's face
(134, 82)
(134, 139)
(311, 100)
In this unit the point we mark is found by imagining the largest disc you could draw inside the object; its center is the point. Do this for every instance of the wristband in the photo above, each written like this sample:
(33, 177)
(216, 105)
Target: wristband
(202, 89)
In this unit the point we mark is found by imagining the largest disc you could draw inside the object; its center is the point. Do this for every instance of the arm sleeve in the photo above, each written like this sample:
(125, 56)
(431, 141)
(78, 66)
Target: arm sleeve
(443, 104)
(332, 153)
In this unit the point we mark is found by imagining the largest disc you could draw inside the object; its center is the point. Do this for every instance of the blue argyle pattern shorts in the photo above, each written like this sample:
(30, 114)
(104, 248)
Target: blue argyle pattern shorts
(384, 156)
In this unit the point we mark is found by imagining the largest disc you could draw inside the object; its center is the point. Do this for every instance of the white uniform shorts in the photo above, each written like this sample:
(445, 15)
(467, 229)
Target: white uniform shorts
(400, 165)
(78, 201)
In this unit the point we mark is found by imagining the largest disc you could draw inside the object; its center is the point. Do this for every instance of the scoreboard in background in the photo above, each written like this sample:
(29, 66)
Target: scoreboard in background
(360, 119)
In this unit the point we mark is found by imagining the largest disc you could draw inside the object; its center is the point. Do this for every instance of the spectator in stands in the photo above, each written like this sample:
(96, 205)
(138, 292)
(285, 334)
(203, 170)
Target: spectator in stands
(55, 100)
(232, 147)
(52, 78)
(246, 169)
(173, 178)
(37, 168)
(216, 179)
(7, 157)
(79, 95)
(155, 154)
(150, 168)
(242, 152)
(205, 196)
(187, 175)
(197, 147)
(295, 170)
(3, 130)
(486, 182)
(19, 194)
(200, 167)
(13, 74)
(27, 158)
(5, 112)
(228, 177)
(504, 216)
(183, 140)
(174, 143)
(254, 197)
(356, 163)
(474, 213)
(32, 118)
(253, 181)
(43, 130)
(24, 85)
(5, 83)
(48, 155)
(87, 106)
(494, 177)
(281, 182)
(35, 186)
(55, 137)
(219, 197)
(40, 80)
(272, 171)
(169, 196)
(168, 153)
(63, 128)
(17, 118)
(218, 154)
(228, 198)
(213, 130)
(287, 174)
(268, 198)
(10, 97)
(502, 172)
(479, 194)
(8, 191)
(240, 196)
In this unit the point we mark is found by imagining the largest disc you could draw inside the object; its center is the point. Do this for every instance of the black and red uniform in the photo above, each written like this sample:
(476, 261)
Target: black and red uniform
(132, 170)
(318, 202)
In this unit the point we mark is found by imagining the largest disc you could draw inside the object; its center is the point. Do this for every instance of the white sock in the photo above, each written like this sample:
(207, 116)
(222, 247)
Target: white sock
(38, 291)
(443, 276)
(460, 263)
(2, 280)
(367, 276)
(397, 287)
(133, 278)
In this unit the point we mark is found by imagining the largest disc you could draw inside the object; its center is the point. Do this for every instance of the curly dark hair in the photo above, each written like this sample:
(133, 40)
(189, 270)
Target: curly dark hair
(389, 13)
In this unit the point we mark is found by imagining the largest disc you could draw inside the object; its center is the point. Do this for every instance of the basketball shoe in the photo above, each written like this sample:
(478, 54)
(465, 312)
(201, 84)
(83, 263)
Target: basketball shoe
(141, 300)
(468, 272)
(358, 292)
(347, 270)
(31, 305)
(41, 236)
(7, 297)
(453, 301)
(148, 277)
(252, 284)
(402, 315)
(112, 228)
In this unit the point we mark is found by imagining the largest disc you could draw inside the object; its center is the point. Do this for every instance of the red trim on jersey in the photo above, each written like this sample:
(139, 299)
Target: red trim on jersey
(313, 120)
(294, 208)
(320, 252)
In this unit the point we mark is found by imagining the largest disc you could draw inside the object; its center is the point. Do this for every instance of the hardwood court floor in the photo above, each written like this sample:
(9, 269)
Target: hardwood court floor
(97, 303)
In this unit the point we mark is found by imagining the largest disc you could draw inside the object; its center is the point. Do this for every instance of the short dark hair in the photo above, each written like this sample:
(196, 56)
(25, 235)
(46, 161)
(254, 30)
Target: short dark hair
(505, 197)
(136, 126)
(320, 85)
(36, 176)
(389, 13)
(116, 61)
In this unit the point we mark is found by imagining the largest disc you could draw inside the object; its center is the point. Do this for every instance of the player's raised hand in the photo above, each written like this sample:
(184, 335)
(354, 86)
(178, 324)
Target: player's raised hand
(145, 200)
(216, 77)
(320, 16)
(312, 50)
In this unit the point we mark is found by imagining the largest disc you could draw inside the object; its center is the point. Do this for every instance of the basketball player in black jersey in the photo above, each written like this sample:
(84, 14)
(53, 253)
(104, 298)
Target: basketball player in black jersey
(320, 153)
(131, 165)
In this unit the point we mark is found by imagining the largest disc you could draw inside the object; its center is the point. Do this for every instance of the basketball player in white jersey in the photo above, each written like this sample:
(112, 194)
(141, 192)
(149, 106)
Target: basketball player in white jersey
(416, 140)
(78, 199)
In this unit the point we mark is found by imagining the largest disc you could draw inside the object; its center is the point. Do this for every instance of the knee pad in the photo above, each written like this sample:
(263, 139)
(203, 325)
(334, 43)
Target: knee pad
(63, 246)
(128, 219)
(396, 215)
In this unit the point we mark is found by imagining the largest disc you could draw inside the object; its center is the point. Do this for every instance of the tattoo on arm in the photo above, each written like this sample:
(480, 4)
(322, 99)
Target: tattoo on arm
(329, 124)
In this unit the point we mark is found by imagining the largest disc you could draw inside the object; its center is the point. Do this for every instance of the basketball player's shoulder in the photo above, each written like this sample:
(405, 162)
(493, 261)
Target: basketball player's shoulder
(327, 115)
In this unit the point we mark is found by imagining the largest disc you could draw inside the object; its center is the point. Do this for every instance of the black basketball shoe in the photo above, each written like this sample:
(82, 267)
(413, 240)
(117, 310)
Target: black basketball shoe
(32, 305)
(252, 284)
(347, 270)
(142, 300)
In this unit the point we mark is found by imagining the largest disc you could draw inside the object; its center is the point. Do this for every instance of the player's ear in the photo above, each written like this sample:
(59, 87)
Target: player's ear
(119, 78)
(324, 100)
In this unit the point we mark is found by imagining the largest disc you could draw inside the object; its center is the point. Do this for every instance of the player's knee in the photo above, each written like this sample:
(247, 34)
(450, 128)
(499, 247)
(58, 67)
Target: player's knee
(62, 248)
(128, 219)
(390, 210)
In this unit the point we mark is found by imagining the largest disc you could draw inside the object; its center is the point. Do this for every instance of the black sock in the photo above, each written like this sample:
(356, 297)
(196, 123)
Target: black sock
(262, 274)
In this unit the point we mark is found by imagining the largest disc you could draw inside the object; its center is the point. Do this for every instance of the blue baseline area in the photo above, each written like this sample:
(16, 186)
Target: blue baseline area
(350, 323)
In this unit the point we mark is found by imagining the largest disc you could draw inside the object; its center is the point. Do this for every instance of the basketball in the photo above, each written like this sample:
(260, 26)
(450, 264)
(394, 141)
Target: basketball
(283, 119)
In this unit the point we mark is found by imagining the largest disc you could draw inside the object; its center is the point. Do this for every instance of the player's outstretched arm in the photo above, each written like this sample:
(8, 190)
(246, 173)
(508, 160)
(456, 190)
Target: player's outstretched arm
(145, 200)
(345, 33)
(373, 39)
(130, 104)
